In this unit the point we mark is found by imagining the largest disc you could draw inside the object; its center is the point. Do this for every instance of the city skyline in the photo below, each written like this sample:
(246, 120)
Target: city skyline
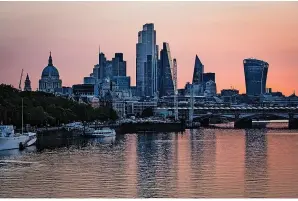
(227, 33)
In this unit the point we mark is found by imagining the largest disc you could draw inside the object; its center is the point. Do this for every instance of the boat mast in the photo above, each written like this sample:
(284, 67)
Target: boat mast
(22, 117)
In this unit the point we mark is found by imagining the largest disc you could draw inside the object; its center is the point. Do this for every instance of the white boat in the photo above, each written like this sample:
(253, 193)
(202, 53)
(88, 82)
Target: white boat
(11, 140)
(104, 132)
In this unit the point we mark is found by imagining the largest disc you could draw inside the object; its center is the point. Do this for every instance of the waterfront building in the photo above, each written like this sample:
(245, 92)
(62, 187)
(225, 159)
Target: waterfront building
(50, 78)
(27, 86)
(210, 89)
(198, 72)
(165, 72)
(136, 107)
(255, 72)
(146, 61)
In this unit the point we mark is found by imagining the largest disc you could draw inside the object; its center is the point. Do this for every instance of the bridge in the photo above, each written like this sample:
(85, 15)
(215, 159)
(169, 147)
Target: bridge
(242, 116)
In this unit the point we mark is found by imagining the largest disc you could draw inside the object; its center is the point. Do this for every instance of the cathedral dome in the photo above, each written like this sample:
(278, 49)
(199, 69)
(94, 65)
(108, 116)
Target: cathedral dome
(50, 70)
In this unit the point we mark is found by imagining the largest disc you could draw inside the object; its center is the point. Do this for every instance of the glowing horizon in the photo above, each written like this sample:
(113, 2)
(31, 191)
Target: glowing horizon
(222, 34)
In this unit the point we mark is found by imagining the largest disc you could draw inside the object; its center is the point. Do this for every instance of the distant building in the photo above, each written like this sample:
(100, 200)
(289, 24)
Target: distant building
(229, 95)
(210, 89)
(89, 80)
(207, 77)
(27, 86)
(146, 61)
(83, 89)
(255, 72)
(49, 78)
(123, 82)
(165, 74)
(133, 90)
(118, 65)
(65, 91)
(198, 72)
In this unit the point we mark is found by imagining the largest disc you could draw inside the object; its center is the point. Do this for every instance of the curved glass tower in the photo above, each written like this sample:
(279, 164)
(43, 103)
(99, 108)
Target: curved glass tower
(255, 72)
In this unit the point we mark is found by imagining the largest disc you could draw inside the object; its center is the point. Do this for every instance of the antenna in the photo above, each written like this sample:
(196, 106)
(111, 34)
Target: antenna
(20, 88)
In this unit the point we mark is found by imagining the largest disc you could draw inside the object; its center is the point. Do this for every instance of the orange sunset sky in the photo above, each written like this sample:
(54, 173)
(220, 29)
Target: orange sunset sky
(222, 34)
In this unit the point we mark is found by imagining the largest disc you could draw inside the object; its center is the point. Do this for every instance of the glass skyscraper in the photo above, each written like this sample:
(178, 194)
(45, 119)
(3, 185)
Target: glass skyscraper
(146, 61)
(198, 72)
(255, 72)
(165, 74)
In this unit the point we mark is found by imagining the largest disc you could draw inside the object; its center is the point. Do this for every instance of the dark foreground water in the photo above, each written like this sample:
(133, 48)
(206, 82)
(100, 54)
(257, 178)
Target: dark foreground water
(198, 163)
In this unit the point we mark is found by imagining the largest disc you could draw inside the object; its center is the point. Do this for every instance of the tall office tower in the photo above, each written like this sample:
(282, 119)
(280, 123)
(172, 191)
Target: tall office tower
(198, 72)
(146, 61)
(165, 72)
(255, 72)
(27, 86)
(102, 63)
(119, 65)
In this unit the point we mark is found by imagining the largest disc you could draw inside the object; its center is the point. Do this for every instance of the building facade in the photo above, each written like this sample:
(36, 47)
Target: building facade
(255, 72)
(210, 88)
(207, 77)
(165, 72)
(146, 61)
(123, 82)
(50, 78)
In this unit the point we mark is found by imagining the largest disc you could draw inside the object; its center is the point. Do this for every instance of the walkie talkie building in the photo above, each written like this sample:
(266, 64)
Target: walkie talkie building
(255, 72)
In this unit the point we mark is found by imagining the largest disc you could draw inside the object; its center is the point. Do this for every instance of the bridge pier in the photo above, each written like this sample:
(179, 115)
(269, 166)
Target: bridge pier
(205, 122)
(243, 123)
(293, 123)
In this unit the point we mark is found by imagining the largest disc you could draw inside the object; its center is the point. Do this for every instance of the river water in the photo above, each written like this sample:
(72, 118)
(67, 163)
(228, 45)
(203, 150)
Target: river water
(212, 163)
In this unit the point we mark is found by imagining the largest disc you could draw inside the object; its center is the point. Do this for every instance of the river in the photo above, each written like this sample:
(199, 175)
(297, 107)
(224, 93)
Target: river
(211, 163)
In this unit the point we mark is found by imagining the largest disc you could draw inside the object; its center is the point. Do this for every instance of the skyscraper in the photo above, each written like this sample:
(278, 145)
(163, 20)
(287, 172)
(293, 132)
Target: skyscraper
(27, 86)
(119, 65)
(198, 72)
(146, 61)
(255, 72)
(165, 72)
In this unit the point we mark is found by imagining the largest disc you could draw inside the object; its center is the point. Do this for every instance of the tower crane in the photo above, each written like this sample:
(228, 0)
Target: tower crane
(20, 87)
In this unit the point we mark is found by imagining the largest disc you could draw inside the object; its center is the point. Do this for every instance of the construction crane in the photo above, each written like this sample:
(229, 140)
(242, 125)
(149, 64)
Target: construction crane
(175, 89)
(20, 87)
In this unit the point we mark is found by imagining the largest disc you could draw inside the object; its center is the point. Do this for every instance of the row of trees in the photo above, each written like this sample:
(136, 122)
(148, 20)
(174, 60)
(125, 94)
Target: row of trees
(42, 108)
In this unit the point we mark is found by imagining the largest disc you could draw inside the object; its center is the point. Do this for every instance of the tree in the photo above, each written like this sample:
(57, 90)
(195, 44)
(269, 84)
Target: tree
(147, 112)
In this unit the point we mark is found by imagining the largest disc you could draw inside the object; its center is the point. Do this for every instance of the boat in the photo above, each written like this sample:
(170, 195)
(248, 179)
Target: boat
(11, 140)
(104, 132)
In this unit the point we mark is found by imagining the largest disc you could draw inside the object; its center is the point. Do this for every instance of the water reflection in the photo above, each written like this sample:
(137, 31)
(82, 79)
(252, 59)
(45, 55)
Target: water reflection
(198, 163)
(256, 176)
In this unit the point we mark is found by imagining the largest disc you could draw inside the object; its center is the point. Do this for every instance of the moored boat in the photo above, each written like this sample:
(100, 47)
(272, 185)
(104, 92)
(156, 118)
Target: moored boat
(11, 140)
(104, 132)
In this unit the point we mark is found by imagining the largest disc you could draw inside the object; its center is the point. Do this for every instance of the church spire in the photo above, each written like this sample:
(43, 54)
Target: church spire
(50, 60)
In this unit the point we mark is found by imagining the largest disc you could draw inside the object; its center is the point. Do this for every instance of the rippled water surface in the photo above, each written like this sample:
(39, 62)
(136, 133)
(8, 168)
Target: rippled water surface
(197, 163)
